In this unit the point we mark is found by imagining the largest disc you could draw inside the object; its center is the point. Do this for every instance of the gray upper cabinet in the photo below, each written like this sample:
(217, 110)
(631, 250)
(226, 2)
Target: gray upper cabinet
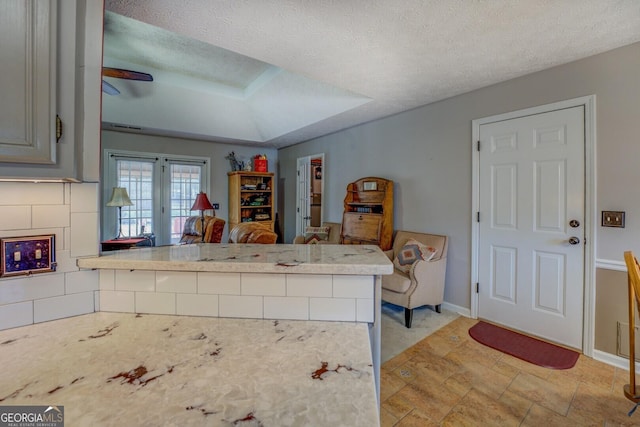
(28, 83)
(51, 66)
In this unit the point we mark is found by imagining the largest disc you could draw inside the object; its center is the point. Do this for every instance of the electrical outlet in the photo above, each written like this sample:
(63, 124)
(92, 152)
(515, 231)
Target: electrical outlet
(216, 206)
(27, 255)
(613, 219)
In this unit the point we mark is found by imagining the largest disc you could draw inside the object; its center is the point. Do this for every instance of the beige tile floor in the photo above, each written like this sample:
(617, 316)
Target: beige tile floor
(448, 379)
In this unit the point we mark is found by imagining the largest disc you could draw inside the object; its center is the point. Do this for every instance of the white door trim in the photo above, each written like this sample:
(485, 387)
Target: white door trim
(589, 103)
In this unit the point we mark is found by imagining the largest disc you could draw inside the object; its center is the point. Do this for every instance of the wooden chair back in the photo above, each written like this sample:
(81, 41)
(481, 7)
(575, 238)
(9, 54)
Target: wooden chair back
(631, 391)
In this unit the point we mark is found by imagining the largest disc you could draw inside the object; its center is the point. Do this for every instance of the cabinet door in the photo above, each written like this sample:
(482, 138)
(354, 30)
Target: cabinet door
(361, 227)
(27, 86)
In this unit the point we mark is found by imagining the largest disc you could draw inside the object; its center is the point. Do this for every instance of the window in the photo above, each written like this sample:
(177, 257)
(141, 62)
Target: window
(161, 188)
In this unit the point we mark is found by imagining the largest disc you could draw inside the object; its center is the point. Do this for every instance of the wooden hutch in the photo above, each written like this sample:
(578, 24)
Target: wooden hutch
(368, 213)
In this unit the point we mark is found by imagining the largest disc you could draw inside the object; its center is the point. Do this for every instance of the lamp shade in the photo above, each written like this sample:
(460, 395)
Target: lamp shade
(119, 197)
(202, 202)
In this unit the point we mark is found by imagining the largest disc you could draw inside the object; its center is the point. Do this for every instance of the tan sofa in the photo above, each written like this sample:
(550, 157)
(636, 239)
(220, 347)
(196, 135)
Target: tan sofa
(192, 231)
(252, 232)
(334, 234)
(424, 283)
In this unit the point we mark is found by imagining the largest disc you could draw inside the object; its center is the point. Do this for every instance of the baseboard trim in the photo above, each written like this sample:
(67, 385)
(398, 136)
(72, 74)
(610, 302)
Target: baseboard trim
(457, 309)
(614, 360)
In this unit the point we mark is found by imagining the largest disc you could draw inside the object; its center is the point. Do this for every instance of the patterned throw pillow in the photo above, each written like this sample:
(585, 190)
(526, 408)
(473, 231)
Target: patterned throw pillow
(313, 235)
(411, 252)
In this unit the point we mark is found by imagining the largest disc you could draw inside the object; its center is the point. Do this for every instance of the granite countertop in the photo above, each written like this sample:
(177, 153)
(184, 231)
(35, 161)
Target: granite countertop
(128, 369)
(281, 258)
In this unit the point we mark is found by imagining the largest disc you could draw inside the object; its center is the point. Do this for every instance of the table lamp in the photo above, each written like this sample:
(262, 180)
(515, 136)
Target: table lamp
(202, 203)
(119, 198)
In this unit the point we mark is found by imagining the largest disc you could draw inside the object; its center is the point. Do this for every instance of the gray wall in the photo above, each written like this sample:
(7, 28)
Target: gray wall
(427, 152)
(216, 152)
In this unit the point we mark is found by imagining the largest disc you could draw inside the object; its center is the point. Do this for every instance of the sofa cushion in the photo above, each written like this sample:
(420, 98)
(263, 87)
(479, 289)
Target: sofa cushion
(411, 252)
(315, 234)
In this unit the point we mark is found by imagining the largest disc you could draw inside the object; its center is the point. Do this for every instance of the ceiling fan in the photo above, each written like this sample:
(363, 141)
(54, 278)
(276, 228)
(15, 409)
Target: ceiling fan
(120, 73)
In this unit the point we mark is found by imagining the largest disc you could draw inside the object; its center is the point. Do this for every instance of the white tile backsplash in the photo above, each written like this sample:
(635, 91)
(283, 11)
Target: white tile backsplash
(137, 280)
(15, 217)
(240, 306)
(82, 281)
(219, 283)
(176, 281)
(364, 310)
(70, 211)
(14, 315)
(263, 284)
(352, 286)
(121, 301)
(197, 305)
(47, 216)
(27, 193)
(33, 287)
(63, 306)
(295, 308)
(155, 302)
(84, 234)
(309, 285)
(65, 263)
(84, 197)
(108, 280)
(342, 309)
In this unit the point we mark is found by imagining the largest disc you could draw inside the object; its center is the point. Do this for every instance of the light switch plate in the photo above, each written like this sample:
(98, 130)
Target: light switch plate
(613, 219)
(27, 255)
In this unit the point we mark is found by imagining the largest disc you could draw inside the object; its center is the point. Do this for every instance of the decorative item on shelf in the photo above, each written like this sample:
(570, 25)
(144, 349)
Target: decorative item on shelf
(260, 163)
(202, 204)
(119, 198)
(236, 165)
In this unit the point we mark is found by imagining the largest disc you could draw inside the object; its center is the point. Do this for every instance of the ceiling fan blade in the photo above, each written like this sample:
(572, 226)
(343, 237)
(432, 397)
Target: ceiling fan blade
(120, 73)
(109, 89)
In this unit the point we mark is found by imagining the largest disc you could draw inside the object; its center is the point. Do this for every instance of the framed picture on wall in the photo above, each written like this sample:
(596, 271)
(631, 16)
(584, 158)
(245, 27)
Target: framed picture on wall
(369, 186)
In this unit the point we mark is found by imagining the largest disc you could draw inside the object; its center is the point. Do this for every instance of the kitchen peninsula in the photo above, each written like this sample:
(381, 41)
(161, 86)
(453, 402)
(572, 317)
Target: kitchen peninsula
(325, 283)
(123, 369)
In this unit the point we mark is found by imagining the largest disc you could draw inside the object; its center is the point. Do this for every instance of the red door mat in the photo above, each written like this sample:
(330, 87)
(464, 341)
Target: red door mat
(529, 349)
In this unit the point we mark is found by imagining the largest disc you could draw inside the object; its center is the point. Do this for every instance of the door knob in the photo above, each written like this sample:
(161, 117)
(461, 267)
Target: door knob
(574, 223)
(573, 240)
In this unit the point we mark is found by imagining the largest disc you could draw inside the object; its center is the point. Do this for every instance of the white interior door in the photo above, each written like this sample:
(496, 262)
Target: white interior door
(303, 201)
(531, 231)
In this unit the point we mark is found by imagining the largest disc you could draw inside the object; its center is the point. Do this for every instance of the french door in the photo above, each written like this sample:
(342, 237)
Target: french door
(161, 188)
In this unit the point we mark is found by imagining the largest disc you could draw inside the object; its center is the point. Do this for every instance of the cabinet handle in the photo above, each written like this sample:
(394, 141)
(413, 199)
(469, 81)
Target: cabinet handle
(360, 217)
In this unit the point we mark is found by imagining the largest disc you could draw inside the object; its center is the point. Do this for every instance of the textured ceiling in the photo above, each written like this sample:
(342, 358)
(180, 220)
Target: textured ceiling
(315, 67)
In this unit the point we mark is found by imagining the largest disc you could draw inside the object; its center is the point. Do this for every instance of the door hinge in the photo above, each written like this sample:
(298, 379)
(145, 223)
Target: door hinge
(478, 216)
(58, 128)
(477, 287)
(478, 145)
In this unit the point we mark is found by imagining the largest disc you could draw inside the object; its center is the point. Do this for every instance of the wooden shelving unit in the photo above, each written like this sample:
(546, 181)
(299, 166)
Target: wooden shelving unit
(251, 198)
(368, 213)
